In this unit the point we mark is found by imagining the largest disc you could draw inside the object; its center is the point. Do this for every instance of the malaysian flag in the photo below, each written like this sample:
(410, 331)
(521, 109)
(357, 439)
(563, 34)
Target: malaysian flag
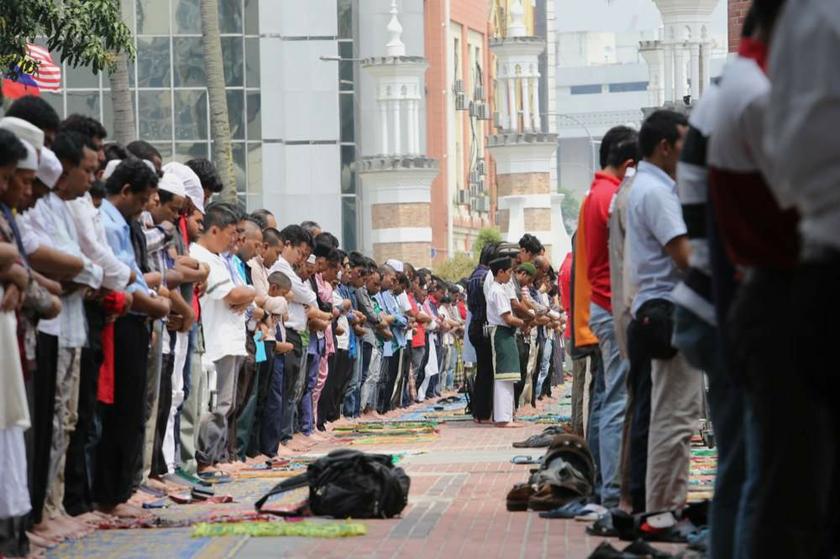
(47, 76)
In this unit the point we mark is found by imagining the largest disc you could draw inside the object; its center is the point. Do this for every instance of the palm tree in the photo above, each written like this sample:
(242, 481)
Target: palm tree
(124, 130)
(219, 123)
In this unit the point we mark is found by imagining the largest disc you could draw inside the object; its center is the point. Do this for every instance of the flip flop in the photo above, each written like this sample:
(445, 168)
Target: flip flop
(156, 504)
(152, 491)
(523, 459)
(216, 477)
(603, 527)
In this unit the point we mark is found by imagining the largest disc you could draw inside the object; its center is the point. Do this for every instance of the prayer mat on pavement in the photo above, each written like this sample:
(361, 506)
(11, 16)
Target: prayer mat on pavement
(304, 529)
(139, 544)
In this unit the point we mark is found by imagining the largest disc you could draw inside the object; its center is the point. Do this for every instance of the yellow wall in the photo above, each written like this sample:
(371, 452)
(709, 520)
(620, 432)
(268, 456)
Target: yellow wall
(500, 16)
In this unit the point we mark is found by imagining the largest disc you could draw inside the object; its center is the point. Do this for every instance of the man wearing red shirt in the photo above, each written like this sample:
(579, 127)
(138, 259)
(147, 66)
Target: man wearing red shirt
(610, 396)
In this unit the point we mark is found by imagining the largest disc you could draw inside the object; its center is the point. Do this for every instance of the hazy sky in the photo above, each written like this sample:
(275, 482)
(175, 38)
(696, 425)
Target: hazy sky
(620, 16)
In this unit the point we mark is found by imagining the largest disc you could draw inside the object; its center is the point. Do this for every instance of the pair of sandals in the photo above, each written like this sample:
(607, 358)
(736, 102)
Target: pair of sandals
(636, 550)
(666, 527)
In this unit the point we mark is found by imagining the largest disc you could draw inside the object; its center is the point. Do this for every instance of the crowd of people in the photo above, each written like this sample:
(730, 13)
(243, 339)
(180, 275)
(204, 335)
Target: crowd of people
(155, 336)
(151, 334)
(705, 266)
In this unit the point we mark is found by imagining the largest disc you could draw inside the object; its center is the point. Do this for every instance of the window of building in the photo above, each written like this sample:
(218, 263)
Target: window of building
(628, 86)
(585, 89)
(347, 120)
(169, 84)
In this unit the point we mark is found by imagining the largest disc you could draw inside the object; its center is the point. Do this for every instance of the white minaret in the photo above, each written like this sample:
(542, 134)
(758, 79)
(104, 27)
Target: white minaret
(397, 181)
(527, 201)
(679, 63)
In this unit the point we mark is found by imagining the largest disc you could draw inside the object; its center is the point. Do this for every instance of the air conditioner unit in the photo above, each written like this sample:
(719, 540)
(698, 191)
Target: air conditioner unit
(481, 166)
(473, 109)
(463, 197)
(482, 111)
(458, 86)
(497, 120)
(460, 101)
(482, 204)
(478, 92)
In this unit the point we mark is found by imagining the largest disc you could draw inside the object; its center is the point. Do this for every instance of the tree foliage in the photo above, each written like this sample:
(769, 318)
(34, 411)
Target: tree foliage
(485, 236)
(459, 266)
(571, 208)
(85, 32)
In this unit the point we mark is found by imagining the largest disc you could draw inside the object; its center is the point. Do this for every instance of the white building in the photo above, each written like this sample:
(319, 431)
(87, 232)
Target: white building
(603, 77)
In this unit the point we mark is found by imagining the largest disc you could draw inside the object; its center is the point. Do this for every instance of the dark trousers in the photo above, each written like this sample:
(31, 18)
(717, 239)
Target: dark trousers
(524, 349)
(401, 384)
(293, 368)
(341, 369)
(120, 450)
(240, 425)
(43, 389)
(481, 397)
(637, 417)
(271, 415)
(265, 372)
(356, 400)
(797, 458)
(387, 386)
(78, 471)
(159, 466)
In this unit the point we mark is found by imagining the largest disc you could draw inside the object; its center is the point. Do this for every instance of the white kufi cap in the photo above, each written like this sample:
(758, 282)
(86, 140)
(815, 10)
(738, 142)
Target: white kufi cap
(190, 181)
(30, 162)
(171, 183)
(24, 130)
(49, 169)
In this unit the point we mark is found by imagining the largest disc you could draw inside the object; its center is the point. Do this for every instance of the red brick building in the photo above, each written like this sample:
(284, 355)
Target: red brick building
(737, 12)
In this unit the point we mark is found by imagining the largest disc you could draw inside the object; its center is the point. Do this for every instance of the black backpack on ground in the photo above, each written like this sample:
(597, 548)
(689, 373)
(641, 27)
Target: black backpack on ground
(350, 484)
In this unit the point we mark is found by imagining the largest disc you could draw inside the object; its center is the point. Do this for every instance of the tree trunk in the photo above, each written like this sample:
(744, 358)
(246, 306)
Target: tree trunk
(219, 123)
(125, 130)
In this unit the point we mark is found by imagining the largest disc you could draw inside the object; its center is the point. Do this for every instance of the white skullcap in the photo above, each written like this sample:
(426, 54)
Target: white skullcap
(171, 183)
(24, 130)
(150, 165)
(191, 182)
(110, 167)
(49, 169)
(30, 161)
(396, 265)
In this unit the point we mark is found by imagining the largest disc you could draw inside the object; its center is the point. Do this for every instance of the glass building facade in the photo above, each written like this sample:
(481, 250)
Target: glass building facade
(169, 85)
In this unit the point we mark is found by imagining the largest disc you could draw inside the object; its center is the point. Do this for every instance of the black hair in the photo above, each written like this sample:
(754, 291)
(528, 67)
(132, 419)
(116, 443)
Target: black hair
(251, 220)
(446, 299)
(503, 263)
(616, 133)
(35, 111)
(113, 150)
(97, 190)
(488, 252)
(660, 125)
(165, 196)
(85, 125)
(623, 149)
(357, 260)
(207, 174)
(12, 149)
(261, 217)
(326, 238)
(295, 235)
(69, 146)
(404, 281)
(765, 13)
(280, 279)
(271, 236)
(333, 256)
(310, 226)
(530, 243)
(134, 173)
(221, 215)
(143, 150)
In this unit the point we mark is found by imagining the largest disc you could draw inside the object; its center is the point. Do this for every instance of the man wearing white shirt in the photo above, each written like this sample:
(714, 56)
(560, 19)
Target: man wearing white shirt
(223, 306)
(53, 224)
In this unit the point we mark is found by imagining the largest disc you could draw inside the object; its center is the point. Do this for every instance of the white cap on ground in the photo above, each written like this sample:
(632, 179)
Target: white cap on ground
(30, 161)
(191, 182)
(24, 130)
(49, 169)
(110, 167)
(396, 265)
(172, 184)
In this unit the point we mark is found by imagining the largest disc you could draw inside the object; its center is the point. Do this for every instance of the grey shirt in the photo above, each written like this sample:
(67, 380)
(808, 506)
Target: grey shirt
(654, 218)
(366, 308)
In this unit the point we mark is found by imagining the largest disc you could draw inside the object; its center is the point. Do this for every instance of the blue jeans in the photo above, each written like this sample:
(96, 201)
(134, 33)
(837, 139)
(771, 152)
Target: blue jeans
(612, 404)
(271, 421)
(316, 349)
(699, 342)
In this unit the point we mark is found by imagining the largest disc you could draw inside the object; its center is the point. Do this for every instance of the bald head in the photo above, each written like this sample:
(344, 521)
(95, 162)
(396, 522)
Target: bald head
(542, 265)
(252, 239)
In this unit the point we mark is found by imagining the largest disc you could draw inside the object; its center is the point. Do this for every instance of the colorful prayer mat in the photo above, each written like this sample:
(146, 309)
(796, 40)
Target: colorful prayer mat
(305, 529)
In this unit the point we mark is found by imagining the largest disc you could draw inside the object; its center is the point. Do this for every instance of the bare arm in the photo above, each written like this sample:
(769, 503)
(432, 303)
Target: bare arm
(8, 255)
(241, 295)
(156, 307)
(56, 264)
(679, 249)
(512, 321)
